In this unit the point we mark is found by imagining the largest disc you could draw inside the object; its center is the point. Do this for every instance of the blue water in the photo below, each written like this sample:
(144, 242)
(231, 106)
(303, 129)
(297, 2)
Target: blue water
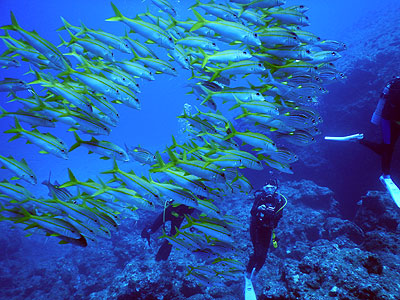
(162, 100)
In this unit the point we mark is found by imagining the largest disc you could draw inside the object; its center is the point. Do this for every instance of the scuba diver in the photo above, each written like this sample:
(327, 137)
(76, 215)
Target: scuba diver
(175, 213)
(387, 115)
(266, 212)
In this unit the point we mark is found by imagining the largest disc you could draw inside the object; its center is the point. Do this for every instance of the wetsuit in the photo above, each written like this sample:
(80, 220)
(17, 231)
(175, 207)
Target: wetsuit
(265, 215)
(175, 215)
(387, 115)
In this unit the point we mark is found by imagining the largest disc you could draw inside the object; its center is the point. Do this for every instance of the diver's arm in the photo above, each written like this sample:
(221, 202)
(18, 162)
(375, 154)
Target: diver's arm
(256, 202)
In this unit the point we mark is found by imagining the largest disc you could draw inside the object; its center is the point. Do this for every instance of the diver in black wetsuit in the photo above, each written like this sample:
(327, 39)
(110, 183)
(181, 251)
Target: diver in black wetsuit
(265, 214)
(387, 115)
(173, 213)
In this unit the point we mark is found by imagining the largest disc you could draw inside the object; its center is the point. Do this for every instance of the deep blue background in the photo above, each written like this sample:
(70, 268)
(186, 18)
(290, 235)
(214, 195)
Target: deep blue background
(162, 100)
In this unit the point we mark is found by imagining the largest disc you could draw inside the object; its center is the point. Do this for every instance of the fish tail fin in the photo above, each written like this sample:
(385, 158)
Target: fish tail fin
(231, 131)
(195, 5)
(15, 25)
(18, 128)
(11, 48)
(174, 143)
(172, 156)
(118, 15)
(115, 169)
(206, 57)
(73, 39)
(269, 78)
(27, 216)
(77, 144)
(66, 25)
(210, 94)
(238, 103)
(201, 21)
(71, 176)
(216, 73)
(159, 160)
(84, 28)
(39, 78)
(3, 112)
(102, 183)
(173, 21)
(63, 42)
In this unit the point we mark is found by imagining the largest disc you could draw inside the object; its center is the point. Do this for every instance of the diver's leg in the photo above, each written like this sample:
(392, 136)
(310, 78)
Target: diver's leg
(252, 260)
(389, 133)
(262, 249)
(164, 251)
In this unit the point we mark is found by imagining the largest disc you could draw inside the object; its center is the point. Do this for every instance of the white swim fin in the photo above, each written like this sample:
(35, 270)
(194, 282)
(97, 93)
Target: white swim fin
(353, 137)
(249, 293)
(391, 188)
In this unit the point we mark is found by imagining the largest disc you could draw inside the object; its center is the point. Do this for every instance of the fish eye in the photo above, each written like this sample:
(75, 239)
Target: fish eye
(21, 82)
(62, 150)
(259, 65)
(123, 78)
(213, 44)
(126, 45)
(333, 53)
(308, 51)
(258, 94)
(61, 142)
(306, 18)
(255, 35)
(244, 52)
(137, 84)
(112, 54)
(120, 153)
(137, 100)
(31, 176)
(170, 39)
(117, 91)
(14, 60)
(318, 38)
(173, 69)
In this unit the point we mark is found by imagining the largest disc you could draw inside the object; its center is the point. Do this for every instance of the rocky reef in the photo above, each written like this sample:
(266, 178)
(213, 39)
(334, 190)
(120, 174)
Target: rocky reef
(320, 255)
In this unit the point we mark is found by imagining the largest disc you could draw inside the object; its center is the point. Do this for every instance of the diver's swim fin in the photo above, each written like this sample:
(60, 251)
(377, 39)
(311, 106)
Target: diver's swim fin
(249, 293)
(391, 188)
(353, 137)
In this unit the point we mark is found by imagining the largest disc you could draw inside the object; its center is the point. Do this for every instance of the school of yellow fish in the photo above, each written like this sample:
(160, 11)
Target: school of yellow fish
(259, 39)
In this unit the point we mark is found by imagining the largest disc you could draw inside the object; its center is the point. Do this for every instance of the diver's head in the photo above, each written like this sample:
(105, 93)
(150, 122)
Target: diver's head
(271, 186)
